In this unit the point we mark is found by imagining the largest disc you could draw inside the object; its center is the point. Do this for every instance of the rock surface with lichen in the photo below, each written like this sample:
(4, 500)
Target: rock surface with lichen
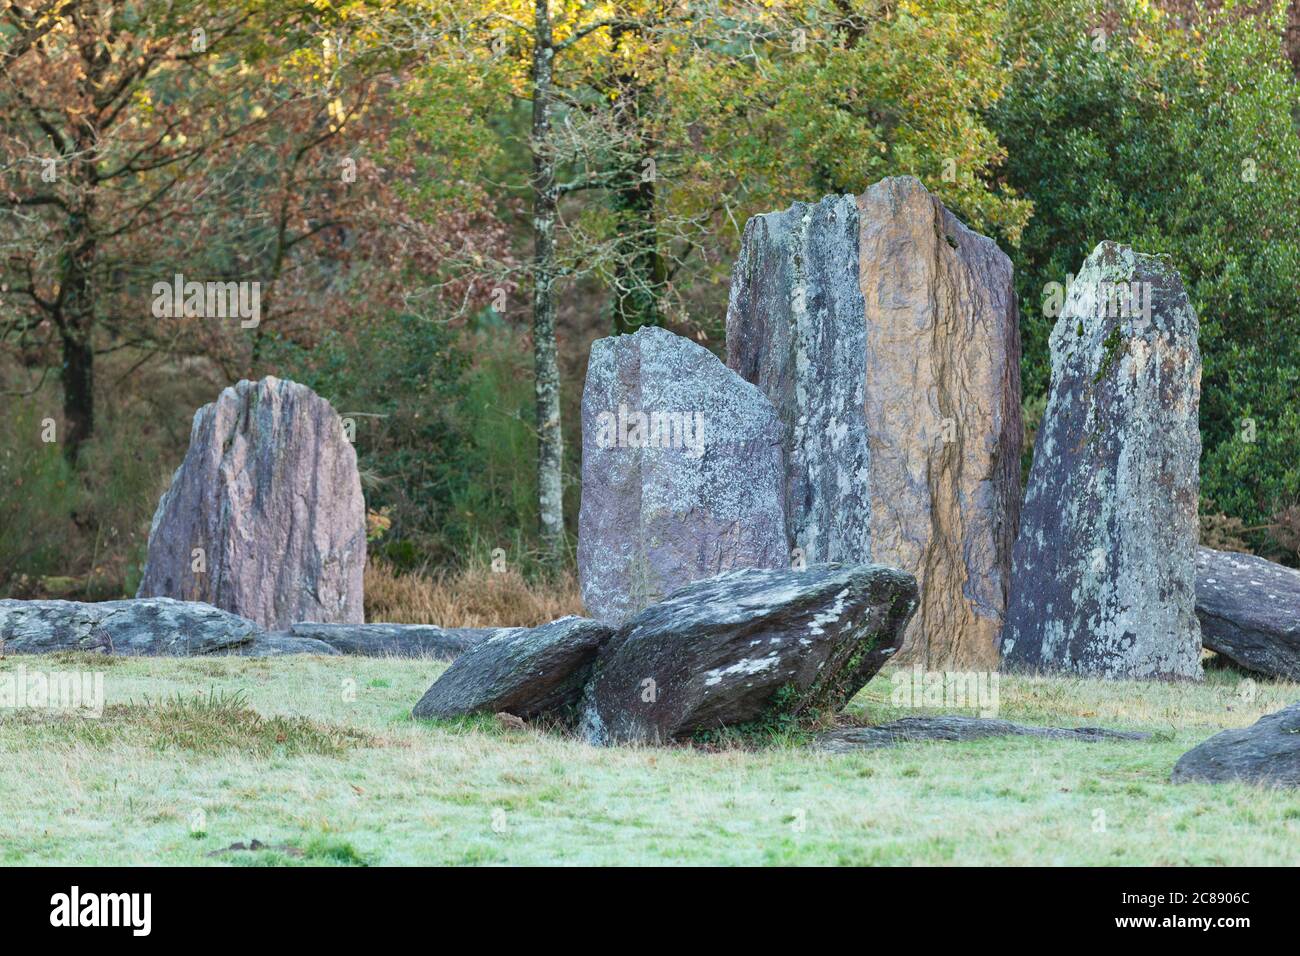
(795, 329)
(148, 627)
(264, 517)
(1249, 610)
(1103, 579)
(1265, 754)
(681, 472)
(885, 332)
(956, 727)
(398, 640)
(749, 646)
(528, 672)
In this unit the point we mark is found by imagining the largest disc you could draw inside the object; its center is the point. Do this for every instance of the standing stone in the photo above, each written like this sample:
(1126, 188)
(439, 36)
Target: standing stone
(1104, 574)
(885, 332)
(681, 472)
(265, 516)
(795, 329)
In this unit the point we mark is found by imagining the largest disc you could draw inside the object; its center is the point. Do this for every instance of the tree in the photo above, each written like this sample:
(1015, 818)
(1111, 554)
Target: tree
(655, 127)
(107, 107)
(1177, 141)
(231, 142)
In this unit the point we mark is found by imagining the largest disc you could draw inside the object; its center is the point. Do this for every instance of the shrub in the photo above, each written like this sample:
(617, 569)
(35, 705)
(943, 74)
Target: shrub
(444, 433)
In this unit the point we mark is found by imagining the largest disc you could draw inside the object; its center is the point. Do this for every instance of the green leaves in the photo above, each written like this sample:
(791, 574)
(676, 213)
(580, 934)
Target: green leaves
(1181, 145)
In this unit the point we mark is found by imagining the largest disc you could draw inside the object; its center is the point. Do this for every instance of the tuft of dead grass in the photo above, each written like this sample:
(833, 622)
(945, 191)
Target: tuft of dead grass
(214, 723)
(473, 596)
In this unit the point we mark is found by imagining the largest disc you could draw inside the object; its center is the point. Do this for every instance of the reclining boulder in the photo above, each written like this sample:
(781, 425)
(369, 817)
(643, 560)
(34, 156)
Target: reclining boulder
(527, 672)
(1249, 610)
(746, 646)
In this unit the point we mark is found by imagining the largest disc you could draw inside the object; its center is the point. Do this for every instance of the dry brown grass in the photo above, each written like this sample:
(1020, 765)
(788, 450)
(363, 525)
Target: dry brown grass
(474, 596)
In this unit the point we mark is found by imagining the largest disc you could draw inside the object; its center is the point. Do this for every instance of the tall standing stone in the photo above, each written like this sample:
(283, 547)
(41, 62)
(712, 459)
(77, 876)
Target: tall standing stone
(265, 516)
(1104, 574)
(885, 332)
(681, 472)
(795, 329)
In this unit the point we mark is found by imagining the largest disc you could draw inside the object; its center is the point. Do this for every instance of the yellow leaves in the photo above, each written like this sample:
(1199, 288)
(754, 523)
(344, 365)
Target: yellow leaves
(337, 114)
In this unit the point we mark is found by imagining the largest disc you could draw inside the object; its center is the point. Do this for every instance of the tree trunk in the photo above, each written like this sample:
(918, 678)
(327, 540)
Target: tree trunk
(78, 377)
(76, 323)
(550, 440)
(640, 272)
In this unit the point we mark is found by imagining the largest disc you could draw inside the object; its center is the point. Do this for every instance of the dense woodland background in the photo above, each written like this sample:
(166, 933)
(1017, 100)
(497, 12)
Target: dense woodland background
(446, 202)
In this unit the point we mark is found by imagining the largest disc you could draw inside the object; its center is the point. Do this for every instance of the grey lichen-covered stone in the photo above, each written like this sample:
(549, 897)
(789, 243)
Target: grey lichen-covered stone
(746, 646)
(1103, 581)
(1266, 753)
(399, 640)
(265, 516)
(281, 644)
(152, 627)
(530, 673)
(692, 489)
(885, 332)
(1249, 610)
(956, 728)
(795, 329)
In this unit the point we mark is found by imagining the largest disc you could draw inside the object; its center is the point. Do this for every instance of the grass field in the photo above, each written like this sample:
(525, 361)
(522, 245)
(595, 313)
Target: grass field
(317, 759)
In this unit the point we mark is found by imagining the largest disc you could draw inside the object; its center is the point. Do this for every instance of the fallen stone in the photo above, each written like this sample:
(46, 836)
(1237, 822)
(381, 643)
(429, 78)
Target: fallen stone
(280, 644)
(530, 673)
(681, 473)
(956, 728)
(885, 332)
(1104, 578)
(746, 646)
(1249, 610)
(141, 627)
(1266, 753)
(265, 516)
(398, 640)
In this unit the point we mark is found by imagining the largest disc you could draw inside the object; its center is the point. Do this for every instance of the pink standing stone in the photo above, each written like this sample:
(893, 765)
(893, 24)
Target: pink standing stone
(265, 516)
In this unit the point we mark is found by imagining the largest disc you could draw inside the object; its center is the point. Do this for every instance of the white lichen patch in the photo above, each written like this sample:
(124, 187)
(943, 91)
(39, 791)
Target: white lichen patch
(742, 668)
(830, 615)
